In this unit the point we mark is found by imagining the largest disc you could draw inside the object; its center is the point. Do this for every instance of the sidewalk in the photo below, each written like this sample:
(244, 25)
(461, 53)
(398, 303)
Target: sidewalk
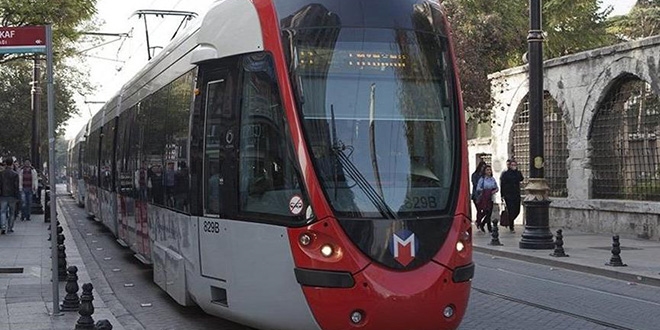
(26, 297)
(588, 253)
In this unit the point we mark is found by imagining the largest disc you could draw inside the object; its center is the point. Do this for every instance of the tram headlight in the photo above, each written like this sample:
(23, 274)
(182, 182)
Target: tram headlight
(460, 246)
(305, 239)
(327, 250)
(448, 311)
(356, 317)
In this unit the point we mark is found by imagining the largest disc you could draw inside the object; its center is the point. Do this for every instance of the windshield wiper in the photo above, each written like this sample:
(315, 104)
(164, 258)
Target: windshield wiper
(354, 173)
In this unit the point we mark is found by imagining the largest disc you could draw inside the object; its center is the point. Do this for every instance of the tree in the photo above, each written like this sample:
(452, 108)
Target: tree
(15, 110)
(66, 16)
(492, 35)
(642, 21)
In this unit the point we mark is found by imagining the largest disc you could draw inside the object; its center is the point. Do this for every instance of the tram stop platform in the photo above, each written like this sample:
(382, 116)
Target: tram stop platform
(26, 299)
(587, 252)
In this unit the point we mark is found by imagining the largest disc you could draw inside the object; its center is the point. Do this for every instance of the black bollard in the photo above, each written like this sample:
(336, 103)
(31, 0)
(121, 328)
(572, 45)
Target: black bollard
(71, 301)
(495, 235)
(616, 261)
(61, 263)
(60, 236)
(559, 245)
(60, 231)
(47, 212)
(85, 321)
(103, 325)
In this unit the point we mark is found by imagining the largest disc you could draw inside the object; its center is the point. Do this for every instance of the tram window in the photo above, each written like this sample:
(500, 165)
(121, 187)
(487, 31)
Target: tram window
(269, 183)
(107, 149)
(92, 157)
(155, 128)
(125, 147)
(177, 173)
(218, 103)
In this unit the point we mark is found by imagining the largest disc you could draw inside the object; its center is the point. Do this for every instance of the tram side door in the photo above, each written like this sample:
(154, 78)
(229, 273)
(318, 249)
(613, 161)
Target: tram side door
(220, 162)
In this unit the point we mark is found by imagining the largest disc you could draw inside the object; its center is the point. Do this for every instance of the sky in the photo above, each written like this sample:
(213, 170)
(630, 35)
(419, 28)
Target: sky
(110, 66)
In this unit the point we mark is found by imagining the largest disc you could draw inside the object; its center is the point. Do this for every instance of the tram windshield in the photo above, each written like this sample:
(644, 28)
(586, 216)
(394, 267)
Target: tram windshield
(380, 119)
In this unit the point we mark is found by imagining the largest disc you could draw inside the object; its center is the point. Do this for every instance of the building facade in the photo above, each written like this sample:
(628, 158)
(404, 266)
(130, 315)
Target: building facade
(602, 122)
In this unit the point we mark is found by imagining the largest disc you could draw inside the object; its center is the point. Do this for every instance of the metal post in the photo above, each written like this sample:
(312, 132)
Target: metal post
(51, 164)
(35, 147)
(537, 233)
(36, 111)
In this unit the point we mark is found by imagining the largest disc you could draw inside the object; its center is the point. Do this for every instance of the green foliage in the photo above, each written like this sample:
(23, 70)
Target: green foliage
(642, 21)
(492, 35)
(16, 113)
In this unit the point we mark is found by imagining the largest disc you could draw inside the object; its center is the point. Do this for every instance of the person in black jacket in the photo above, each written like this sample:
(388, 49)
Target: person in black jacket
(9, 193)
(510, 183)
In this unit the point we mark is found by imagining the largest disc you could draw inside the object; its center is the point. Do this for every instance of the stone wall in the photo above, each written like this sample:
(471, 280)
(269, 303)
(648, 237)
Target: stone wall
(579, 83)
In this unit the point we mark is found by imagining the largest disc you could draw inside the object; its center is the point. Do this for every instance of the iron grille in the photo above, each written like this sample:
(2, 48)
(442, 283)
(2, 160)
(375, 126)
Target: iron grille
(555, 145)
(624, 144)
(488, 158)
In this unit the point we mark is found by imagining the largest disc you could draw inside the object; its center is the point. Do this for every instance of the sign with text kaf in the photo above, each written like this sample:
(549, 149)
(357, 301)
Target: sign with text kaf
(27, 39)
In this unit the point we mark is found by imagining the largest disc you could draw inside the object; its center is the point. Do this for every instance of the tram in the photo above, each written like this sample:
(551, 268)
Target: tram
(75, 182)
(294, 164)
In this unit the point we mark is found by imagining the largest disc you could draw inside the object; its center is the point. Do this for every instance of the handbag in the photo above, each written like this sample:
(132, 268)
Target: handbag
(504, 217)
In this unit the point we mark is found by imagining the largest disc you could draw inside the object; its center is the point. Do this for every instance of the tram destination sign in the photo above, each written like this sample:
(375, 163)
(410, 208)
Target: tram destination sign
(27, 39)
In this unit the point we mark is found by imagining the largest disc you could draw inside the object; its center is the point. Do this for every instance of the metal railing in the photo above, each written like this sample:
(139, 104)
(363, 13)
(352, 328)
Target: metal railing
(555, 145)
(624, 141)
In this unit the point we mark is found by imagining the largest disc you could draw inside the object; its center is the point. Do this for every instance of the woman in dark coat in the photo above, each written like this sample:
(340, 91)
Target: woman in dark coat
(478, 173)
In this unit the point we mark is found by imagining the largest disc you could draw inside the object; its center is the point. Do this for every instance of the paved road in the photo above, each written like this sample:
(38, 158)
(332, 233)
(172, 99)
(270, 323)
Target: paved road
(507, 294)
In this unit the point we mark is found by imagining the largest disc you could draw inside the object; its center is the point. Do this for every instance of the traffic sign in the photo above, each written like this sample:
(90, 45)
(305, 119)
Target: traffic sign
(27, 39)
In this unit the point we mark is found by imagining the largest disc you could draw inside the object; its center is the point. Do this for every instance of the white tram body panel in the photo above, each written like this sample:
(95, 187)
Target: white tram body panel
(241, 271)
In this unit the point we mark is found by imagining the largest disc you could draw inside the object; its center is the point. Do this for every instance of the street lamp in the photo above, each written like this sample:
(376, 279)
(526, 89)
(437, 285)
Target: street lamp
(537, 233)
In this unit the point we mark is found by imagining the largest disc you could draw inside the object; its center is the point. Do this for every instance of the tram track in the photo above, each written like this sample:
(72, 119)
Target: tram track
(550, 309)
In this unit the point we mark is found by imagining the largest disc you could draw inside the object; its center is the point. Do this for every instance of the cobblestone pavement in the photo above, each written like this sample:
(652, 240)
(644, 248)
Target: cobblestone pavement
(507, 294)
(511, 294)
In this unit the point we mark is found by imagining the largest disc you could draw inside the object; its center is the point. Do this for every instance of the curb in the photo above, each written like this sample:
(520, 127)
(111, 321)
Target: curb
(617, 275)
(101, 285)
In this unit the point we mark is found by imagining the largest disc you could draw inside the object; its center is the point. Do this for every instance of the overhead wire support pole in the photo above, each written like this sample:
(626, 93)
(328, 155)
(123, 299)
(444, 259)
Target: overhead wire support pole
(187, 15)
(51, 166)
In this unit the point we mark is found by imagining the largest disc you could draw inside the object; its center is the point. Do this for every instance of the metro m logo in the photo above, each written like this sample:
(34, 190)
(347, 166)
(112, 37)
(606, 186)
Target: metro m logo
(403, 247)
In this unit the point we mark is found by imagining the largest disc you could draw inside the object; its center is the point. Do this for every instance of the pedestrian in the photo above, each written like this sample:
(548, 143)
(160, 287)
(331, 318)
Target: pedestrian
(478, 173)
(486, 190)
(28, 185)
(9, 193)
(510, 181)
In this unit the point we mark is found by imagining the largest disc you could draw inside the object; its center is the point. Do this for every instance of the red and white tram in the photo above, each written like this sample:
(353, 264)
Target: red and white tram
(295, 164)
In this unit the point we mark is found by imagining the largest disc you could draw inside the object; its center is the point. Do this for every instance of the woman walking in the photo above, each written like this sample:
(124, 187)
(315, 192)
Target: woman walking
(486, 188)
(478, 173)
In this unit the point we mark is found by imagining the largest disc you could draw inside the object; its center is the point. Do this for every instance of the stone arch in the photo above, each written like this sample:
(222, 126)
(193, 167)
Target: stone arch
(623, 136)
(597, 92)
(555, 140)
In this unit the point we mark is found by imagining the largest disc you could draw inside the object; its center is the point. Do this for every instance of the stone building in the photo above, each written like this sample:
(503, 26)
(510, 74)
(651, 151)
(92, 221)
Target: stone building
(602, 122)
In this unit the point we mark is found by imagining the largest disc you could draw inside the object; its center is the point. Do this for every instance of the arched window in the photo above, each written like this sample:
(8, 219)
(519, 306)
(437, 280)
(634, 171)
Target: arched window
(555, 140)
(623, 137)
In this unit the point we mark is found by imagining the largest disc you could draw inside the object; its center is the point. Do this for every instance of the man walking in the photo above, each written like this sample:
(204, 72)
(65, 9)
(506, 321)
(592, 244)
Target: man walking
(28, 185)
(510, 182)
(9, 193)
